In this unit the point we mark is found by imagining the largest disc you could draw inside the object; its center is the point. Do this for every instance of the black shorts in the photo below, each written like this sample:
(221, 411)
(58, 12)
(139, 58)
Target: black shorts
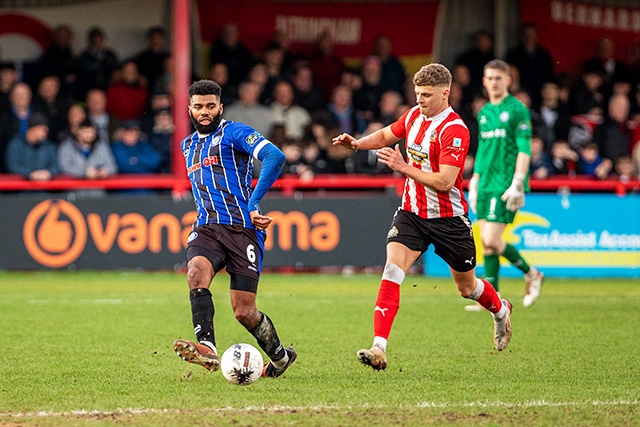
(452, 238)
(239, 249)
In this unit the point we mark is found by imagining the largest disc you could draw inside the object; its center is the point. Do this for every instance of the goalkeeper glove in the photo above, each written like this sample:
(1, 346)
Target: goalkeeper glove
(514, 196)
(473, 193)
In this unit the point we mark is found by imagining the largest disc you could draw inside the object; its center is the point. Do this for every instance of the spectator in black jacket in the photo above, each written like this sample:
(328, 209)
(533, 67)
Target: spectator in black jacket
(228, 48)
(95, 64)
(151, 61)
(533, 62)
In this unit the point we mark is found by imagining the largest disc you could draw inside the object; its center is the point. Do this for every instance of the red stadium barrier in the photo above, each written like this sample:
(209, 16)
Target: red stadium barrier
(290, 184)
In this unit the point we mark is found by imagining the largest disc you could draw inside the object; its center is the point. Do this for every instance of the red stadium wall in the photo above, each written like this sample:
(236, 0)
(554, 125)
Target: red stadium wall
(353, 25)
(570, 30)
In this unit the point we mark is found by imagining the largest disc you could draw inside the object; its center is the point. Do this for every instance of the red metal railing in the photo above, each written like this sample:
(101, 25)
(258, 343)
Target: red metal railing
(290, 184)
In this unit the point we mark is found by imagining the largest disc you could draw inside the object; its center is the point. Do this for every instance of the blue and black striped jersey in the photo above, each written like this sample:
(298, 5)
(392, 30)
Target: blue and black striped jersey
(220, 168)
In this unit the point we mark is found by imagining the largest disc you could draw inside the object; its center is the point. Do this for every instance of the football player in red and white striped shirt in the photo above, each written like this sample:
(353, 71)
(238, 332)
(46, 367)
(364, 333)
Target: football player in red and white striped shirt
(434, 208)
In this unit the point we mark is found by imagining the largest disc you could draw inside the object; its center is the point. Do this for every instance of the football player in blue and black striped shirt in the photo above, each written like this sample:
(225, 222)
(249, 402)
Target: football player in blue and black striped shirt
(229, 230)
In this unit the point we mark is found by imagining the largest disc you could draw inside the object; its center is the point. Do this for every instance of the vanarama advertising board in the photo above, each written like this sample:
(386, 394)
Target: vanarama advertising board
(581, 235)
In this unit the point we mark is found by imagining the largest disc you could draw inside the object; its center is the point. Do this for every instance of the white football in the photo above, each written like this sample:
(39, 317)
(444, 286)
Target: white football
(241, 364)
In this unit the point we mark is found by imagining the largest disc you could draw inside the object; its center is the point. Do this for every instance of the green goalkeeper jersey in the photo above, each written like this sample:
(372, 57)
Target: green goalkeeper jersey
(504, 130)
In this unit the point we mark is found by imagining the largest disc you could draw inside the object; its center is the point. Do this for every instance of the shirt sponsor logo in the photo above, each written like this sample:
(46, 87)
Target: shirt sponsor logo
(415, 153)
(496, 133)
(206, 162)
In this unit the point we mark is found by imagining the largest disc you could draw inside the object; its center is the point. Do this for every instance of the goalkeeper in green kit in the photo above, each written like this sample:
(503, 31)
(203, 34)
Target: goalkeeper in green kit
(500, 177)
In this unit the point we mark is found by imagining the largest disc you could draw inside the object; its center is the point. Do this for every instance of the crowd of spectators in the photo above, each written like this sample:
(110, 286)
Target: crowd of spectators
(95, 114)
(587, 125)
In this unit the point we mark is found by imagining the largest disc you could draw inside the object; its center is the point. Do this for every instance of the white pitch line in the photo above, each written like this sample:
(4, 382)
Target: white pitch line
(132, 411)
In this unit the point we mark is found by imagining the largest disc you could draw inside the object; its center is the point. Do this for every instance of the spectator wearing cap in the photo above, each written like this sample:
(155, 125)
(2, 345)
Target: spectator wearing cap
(33, 155)
(133, 154)
(85, 155)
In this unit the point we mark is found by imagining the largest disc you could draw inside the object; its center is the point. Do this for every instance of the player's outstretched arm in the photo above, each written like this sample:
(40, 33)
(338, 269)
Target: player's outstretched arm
(378, 139)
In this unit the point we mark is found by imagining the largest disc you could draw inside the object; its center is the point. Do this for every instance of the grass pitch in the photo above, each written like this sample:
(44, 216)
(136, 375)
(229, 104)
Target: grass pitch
(94, 348)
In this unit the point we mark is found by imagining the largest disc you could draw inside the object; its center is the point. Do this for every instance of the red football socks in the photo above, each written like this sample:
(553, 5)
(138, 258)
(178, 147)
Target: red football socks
(387, 305)
(489, 298)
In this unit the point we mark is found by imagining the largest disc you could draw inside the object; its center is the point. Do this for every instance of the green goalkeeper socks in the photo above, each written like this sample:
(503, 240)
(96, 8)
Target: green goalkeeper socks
(514, 257)
(491, 270)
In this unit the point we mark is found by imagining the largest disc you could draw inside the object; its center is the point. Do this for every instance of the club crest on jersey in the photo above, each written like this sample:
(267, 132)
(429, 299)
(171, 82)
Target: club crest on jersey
(433, 137)
(253, 138)
(483, 120)
(415, 153)
(504, 116)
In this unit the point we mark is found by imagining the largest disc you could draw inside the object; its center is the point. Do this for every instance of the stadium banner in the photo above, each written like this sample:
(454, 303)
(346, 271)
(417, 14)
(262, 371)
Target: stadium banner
(150, 232)
(565, 235)
(353, 25)
(570, 30)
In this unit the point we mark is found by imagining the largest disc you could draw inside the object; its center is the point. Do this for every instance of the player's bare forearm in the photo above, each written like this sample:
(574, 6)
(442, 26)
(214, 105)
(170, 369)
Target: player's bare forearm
(522, 163)
(441, 181)
(378, 139)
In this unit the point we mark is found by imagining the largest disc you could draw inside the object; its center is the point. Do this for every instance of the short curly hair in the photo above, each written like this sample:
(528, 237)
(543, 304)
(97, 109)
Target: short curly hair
(432, 75)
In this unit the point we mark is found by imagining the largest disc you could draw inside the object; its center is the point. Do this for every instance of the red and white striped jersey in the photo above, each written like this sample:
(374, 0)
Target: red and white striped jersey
(431, 142)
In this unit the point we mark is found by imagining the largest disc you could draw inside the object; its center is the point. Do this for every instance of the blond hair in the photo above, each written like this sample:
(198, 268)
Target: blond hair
(432, 75)
(498, 64)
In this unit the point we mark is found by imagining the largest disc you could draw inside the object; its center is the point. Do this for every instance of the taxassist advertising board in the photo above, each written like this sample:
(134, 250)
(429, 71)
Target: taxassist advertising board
(580, 235)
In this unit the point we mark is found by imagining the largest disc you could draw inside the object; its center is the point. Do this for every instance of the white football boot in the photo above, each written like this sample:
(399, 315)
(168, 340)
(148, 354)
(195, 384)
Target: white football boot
(534, 279)
(502, 333)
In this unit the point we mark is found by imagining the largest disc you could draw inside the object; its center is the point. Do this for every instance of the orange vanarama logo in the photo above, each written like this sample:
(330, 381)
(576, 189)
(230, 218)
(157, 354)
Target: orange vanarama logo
(54, 233)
